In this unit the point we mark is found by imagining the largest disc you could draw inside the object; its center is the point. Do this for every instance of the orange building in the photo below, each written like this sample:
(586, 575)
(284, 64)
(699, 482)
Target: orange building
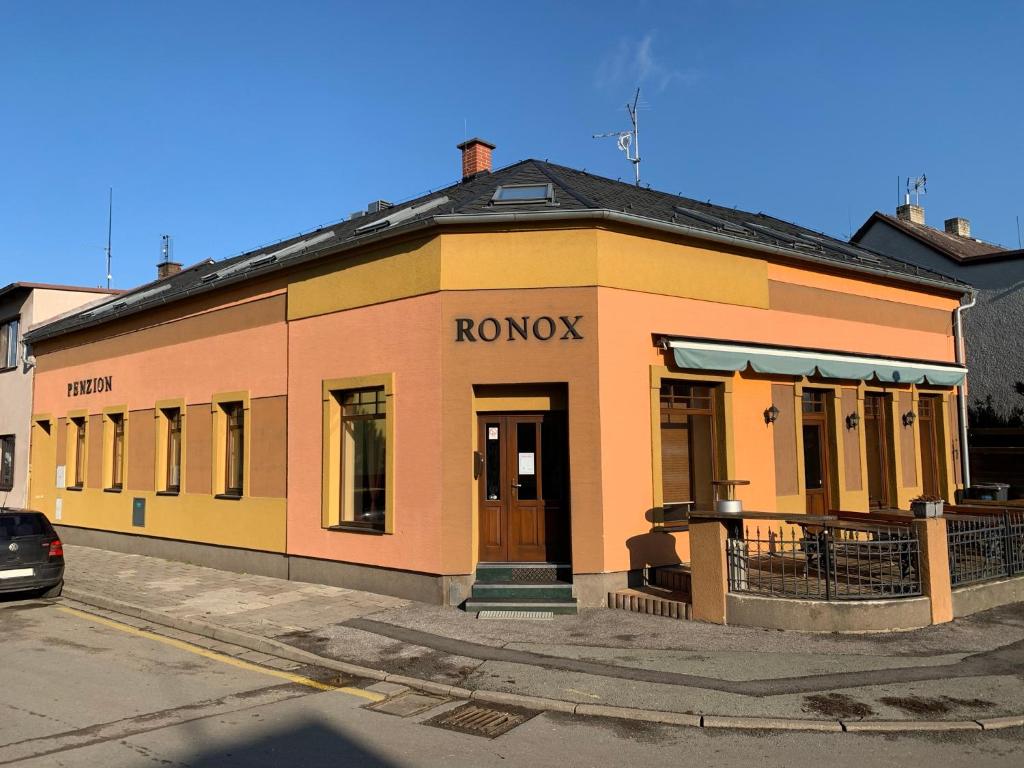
(534, 366)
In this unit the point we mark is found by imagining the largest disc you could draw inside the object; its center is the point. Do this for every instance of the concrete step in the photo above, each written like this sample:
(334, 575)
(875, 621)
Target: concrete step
(523, 573)
(554, 590)
(652, 601)
(475, 605)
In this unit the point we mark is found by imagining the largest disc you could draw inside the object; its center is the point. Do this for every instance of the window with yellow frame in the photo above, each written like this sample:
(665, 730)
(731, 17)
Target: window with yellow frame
(358, 454)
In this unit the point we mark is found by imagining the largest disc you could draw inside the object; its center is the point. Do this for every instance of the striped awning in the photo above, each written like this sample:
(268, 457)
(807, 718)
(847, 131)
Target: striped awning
(713, 356)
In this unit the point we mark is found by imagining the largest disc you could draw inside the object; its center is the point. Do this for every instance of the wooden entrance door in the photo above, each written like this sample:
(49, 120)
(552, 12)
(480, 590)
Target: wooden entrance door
(876, 439)
(815, 434)
(523, 488)
(928, 413)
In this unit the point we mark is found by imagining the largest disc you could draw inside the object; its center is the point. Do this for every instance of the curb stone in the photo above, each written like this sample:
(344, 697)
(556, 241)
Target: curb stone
(282, 650)
(774, 723)
(996, 723)
(911, 725)
(645, 715)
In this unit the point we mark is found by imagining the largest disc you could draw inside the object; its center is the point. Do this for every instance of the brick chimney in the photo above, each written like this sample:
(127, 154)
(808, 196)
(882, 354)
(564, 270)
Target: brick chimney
(167, 268)
(958, 226)
(912, 213)
(476, 157)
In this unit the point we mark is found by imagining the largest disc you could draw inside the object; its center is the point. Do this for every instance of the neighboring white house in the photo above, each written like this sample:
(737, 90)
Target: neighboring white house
(23, 305)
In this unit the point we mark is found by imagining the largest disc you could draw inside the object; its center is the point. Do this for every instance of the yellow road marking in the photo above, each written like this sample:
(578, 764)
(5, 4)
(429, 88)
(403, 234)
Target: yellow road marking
(207, 653)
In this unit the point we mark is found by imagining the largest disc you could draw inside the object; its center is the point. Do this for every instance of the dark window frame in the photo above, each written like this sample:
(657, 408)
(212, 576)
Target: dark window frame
(680, 396)
(10, 345)
(173, 460)
(380, 412)
(234, 448)
(7, 448)
(81, 424)
(117, 456)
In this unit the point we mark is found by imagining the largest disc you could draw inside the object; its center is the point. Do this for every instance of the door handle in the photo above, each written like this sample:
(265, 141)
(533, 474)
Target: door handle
(517, 485)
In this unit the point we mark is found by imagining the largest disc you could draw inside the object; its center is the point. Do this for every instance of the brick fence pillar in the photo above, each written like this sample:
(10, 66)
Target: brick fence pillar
(708, 575)
(935, 579)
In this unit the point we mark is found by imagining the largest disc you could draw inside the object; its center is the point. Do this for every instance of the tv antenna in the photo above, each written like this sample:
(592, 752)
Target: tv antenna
(110, 224)
(916, 186)
(629, 141)
(166, 249)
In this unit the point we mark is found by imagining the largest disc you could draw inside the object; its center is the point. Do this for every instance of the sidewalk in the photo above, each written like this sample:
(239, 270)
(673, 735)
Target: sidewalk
(951, 676)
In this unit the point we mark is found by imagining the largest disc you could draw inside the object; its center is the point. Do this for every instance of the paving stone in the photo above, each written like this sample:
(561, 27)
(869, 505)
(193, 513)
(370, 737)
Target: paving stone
(388, 689)
(407, 704)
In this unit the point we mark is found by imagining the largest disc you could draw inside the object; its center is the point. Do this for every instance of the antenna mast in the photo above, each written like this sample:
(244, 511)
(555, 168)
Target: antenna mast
(629, 141)
(110, 225)
(916, 186)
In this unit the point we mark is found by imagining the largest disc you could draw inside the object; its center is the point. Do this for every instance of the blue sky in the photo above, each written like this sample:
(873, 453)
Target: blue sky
(231, 124)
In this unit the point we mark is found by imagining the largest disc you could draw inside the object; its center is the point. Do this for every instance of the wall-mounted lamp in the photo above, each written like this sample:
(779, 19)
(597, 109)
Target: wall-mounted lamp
(909, 418)
(852, 420)
(771, 413)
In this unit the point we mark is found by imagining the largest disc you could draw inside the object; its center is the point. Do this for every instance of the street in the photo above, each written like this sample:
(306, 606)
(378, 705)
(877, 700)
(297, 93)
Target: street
(90, 690)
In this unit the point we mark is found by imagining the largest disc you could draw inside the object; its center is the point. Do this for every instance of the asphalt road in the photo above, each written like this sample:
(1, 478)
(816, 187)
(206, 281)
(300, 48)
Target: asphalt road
(84, 690)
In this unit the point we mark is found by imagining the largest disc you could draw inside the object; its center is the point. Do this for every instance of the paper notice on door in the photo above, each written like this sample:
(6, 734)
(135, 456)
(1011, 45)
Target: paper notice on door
(492, 433)
(526, 464)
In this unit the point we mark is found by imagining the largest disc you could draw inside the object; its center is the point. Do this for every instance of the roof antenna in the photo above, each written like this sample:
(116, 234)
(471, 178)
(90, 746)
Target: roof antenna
(110, 224)
(166, 249)
(629, 140)
(916, 186)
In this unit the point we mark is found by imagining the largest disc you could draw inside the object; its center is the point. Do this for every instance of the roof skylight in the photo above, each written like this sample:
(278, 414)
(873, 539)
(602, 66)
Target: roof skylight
(524, 193)
(403, 214)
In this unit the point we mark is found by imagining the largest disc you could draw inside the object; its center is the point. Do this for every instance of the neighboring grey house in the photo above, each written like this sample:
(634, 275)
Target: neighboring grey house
(993, 328)
(23, 305)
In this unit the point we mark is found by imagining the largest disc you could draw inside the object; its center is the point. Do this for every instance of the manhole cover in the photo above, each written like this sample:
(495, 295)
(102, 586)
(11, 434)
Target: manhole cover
(407, 704)
(528, 615)
(489, 722)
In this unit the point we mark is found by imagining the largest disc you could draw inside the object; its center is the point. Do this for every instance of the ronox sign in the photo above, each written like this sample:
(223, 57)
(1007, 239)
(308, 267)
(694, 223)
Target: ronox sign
(90, 386)
(542, 328)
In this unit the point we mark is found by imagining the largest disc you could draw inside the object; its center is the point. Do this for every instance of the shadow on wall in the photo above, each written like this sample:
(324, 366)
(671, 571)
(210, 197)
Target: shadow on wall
(654, 548)
(309, 743)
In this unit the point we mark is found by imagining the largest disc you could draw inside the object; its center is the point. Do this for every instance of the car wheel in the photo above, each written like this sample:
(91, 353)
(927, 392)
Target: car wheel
(53, 591)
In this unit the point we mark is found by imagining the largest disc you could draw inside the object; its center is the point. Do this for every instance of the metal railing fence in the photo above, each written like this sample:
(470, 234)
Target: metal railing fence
(985, 547)
(842, 561)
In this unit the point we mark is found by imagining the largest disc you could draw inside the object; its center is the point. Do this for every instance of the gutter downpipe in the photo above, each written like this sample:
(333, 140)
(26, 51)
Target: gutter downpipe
(961, 356)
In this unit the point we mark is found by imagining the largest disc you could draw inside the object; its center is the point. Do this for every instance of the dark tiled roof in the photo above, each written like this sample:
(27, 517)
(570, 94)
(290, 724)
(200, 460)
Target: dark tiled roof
(575, 192)
(961, 249)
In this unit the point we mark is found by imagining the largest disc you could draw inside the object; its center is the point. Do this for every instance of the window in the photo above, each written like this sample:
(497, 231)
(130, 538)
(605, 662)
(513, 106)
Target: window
(116, 451)
(813, 401)
(78, 446)
(358, 488)
(6, 462)
(172, 478)
(9, 344)
(234, 451)
(688, 444)
(363, 455)
(523, 193)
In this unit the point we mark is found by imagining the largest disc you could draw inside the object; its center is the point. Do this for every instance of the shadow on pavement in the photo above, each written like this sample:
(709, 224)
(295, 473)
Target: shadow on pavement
(310, 744)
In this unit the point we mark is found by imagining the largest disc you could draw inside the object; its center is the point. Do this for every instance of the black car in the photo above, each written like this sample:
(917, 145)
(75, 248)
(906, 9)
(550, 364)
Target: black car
(31, 554)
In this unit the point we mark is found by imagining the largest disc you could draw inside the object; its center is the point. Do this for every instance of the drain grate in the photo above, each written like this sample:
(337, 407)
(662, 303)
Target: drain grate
(515, 615)
(489, 722)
